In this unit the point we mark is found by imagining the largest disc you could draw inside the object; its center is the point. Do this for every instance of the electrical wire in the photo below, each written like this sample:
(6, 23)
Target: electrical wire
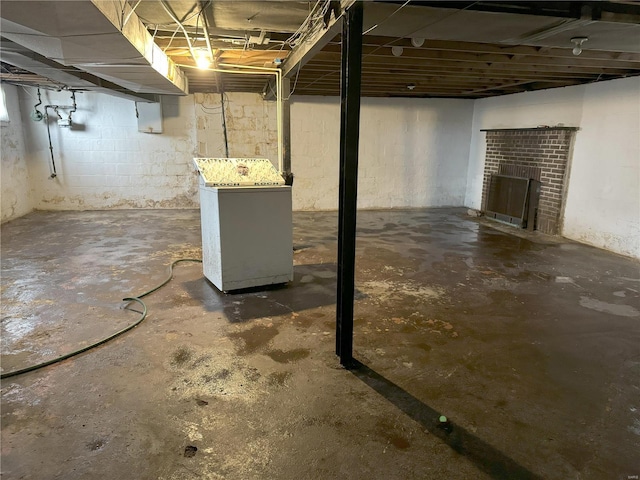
(408, 35)
(224, 124)
(187, 17)
(171, 39)
(52, 167)
(210, 109)
(296, 81)
(133, 9)
(378, 24)
(129, 300)
(170, 12)
(309, 25)
(27, 91)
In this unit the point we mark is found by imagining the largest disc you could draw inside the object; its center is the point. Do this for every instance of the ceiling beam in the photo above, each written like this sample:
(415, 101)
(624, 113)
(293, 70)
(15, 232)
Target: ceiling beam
(313, 69)
(623, 12)
(301, 54)
(304, 52)
(333, 51)
(471, 47)
(496, 64)
(68, 76)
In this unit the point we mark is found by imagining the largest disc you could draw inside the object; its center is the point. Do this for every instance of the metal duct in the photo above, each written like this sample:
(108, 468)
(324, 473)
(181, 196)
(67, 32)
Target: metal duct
(70, 77)
(93, 37)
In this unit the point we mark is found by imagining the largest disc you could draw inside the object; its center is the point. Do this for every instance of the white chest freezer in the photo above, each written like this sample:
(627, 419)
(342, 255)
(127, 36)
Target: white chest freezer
(247, 230)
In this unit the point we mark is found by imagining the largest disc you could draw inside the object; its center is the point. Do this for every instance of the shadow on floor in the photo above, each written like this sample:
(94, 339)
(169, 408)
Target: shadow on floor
(483, 455)
(313, 286)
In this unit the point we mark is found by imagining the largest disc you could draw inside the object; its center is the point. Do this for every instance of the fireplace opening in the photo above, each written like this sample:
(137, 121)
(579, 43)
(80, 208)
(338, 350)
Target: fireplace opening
(524, 176)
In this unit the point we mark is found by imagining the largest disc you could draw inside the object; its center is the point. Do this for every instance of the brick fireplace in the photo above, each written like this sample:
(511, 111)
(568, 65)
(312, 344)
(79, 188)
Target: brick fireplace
(538, 153)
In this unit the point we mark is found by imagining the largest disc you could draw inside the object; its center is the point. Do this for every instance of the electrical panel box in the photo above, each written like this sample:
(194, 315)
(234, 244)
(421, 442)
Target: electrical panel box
(149, 117)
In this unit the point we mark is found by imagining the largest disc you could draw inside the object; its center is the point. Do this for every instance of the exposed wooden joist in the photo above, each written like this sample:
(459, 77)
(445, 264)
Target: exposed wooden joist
(312, 71)
(506, 58)
(623, 12)
(317, 69)
(488, 48)
(330, 59)
(438, 69)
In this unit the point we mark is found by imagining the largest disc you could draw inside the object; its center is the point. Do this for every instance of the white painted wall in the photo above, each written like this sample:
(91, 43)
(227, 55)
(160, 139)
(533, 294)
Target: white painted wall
(104, 162)
(413, 152)
(252, 130)
(603, 197)
(603, 191)
(16, 195)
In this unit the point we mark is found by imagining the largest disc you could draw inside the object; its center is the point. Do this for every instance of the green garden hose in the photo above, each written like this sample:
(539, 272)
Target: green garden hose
(110, 337)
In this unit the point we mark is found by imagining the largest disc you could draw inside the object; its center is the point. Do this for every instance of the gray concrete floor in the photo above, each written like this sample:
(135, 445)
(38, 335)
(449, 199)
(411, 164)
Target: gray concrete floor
(530, 345)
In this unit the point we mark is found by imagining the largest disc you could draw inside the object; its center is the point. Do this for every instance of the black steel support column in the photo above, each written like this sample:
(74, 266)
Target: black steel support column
(349, 139)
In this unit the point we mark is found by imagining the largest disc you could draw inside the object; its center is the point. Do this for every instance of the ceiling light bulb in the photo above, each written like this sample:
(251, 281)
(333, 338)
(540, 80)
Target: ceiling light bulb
(203, 61)
(578, 41)
(396, 50)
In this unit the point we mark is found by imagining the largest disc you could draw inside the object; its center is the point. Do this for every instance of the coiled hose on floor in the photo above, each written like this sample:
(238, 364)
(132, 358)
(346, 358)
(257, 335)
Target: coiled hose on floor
(143, 315)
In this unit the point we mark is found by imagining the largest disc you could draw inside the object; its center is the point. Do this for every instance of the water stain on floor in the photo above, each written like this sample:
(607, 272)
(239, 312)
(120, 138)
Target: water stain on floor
(289, 356)
(451, 316)
(253, 339)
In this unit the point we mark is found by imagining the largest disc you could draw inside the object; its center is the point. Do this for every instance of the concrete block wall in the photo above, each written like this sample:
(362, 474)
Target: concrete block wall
(545, 149)
(16, 196)
(315, 153)
(104, 162)
(252, 130)
(413, 152)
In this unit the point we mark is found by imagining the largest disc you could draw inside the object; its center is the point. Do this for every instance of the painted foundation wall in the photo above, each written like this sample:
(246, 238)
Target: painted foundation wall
(252, 130)
(16, 196)
(603, 197)
(104, 162)
(602, 205)
(413, 152)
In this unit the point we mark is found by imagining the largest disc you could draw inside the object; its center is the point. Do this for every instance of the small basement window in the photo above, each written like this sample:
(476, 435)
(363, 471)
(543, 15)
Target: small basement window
(4, 114)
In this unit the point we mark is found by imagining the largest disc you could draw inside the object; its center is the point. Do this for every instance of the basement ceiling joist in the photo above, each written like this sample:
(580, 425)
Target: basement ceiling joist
(471, 49)
(620, 10)
(462, 69)
(502, 59)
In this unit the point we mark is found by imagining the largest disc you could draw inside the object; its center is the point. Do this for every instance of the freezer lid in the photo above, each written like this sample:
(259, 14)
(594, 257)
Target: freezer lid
(238, 172)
